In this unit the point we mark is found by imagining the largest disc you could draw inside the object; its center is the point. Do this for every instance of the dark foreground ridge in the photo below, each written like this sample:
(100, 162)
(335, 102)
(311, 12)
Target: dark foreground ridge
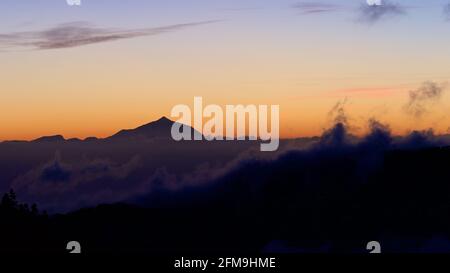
(327, 201)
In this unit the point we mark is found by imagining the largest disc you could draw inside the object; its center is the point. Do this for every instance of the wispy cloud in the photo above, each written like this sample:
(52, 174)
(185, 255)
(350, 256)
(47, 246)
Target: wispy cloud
(315, 7)
(422, 99)
(371, 14)
(75, 34)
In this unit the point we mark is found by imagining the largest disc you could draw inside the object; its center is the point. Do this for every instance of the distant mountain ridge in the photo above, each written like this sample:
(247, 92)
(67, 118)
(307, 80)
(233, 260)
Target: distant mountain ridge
(160, 128)
(55, 138)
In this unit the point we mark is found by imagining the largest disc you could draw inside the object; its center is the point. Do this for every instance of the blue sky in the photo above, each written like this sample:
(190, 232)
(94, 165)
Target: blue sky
(120, 12)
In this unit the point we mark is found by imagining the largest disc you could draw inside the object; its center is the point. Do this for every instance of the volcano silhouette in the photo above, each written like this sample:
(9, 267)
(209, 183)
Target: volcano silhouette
(160, 128)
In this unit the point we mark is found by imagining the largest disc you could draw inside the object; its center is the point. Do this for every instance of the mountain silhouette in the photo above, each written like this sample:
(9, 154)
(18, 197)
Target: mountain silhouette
(56, 138)
(160, 128)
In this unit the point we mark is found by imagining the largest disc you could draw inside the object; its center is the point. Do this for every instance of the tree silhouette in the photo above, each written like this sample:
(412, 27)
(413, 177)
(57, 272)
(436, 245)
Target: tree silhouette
(23, 227)
(34, 210)
(10, 205)
(9, 201)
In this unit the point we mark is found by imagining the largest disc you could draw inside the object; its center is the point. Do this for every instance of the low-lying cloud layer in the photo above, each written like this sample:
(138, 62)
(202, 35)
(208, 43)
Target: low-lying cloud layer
(62, 185)
(75, 34)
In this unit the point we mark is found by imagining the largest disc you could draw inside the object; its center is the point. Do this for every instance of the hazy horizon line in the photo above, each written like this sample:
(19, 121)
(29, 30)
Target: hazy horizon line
(165, 117)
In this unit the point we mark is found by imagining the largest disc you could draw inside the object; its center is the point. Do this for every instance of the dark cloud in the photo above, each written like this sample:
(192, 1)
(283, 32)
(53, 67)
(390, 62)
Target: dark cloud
(371, 14)
(379, 136)
(420, 140)
(76, 34)
(446, 12)
(315, 7)
(421, 99)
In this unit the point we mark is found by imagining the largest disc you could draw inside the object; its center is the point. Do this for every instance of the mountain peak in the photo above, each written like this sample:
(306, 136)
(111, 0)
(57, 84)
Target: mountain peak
(163, 122)
(163, 119)
(158, 128)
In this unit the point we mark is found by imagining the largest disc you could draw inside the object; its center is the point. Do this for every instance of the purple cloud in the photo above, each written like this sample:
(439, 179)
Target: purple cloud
(77, 34)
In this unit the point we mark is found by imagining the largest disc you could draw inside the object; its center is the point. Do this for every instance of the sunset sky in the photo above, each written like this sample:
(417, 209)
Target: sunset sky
(133, 60)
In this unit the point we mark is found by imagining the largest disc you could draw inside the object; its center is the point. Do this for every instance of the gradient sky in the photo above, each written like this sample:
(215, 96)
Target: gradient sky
(303, 57)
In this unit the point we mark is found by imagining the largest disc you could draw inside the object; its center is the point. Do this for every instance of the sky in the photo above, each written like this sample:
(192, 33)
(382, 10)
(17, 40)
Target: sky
(112, 64)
